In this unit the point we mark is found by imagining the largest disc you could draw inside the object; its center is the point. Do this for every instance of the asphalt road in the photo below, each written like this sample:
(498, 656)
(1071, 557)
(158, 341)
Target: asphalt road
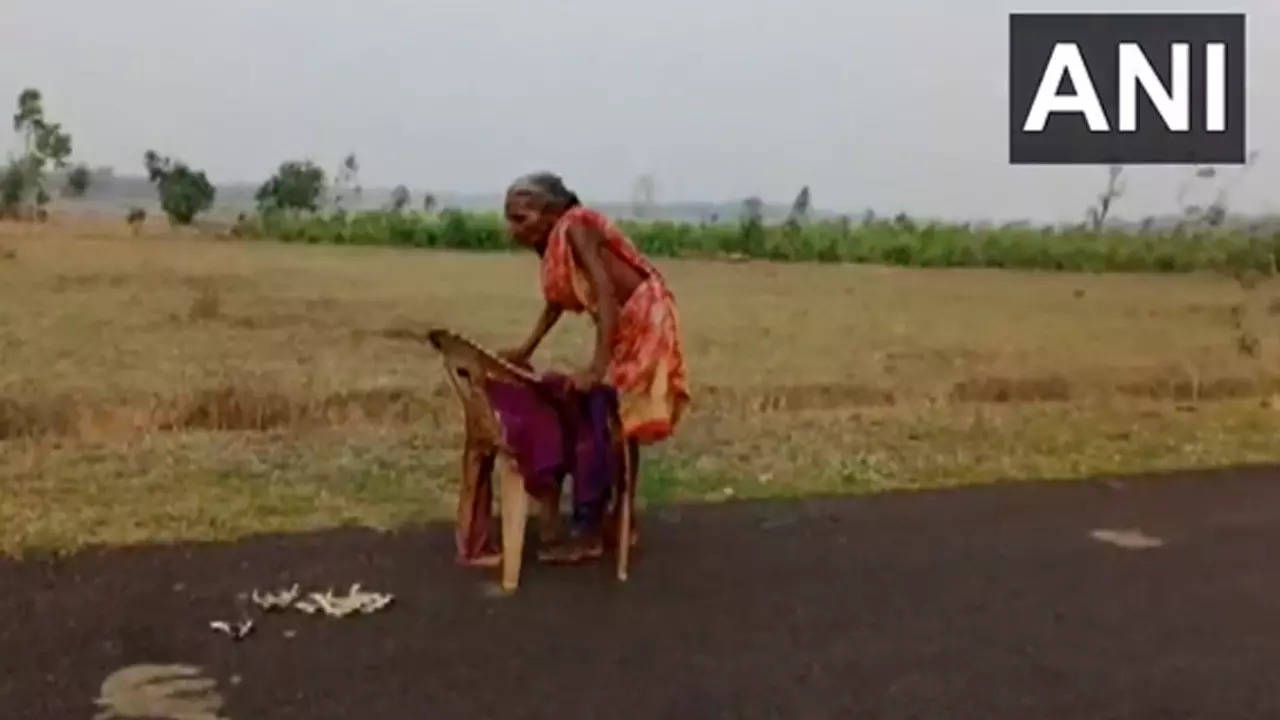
(987, 603)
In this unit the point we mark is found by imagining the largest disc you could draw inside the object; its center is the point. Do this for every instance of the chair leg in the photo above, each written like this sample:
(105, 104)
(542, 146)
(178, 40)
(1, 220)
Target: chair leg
(515, 515)
(475, 496)
(625, 493)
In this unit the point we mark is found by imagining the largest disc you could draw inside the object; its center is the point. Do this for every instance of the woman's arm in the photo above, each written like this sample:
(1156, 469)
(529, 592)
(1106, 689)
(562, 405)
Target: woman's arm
(547, 320)
(586, 245)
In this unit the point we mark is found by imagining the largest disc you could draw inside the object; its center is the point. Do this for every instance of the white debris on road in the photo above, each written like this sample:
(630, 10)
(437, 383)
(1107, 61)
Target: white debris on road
(276, 601)
(1131, 539)
(237, 631)
(338, 606)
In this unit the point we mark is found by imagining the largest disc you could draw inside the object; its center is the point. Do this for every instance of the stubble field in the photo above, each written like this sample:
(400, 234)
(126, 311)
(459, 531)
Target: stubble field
(175, 387)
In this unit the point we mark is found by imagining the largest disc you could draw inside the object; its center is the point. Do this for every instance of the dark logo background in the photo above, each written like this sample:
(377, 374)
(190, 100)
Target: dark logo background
(1066, 137)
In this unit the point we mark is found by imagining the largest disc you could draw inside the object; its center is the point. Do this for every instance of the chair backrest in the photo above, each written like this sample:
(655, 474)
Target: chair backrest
(470, 367)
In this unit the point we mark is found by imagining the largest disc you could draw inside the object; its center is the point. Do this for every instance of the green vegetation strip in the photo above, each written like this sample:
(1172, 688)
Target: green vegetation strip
(899, 241)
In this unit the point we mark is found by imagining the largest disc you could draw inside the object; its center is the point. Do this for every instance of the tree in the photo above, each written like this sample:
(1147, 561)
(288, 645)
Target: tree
(429, 203)
(30, 110)
(12, 183)
(184, 193)
(399, 198)
(137, 216)
(295, 186)
(77, 181)
(752, 226)
(44, 143)
(1214, 213)
(799, 208)
(346, 181)
(1098, 213)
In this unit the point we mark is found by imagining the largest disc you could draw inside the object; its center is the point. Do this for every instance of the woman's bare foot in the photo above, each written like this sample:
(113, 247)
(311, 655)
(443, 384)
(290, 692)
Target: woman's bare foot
(483, 560)
(549, 527)
(579, 547)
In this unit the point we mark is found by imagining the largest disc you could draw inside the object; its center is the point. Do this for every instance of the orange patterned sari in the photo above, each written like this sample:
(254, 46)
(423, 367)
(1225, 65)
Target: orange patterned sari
(647, 365)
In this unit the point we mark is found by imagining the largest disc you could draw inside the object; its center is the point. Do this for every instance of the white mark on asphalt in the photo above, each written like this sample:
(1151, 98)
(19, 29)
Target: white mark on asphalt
(172, 692)
(1131, 539)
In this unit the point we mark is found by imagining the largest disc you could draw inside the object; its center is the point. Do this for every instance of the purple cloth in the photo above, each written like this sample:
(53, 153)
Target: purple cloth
(556, 430)
(532, 428)
(596, 461)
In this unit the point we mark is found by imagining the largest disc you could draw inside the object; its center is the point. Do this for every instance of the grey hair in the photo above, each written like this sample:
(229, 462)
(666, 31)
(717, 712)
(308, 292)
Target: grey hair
(547, 187)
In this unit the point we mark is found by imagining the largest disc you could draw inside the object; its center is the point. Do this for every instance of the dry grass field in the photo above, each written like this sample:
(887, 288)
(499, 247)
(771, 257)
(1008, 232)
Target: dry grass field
(173, 387)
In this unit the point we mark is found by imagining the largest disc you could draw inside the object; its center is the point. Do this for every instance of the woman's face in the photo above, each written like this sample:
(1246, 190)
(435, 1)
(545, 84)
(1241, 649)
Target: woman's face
(528, 223)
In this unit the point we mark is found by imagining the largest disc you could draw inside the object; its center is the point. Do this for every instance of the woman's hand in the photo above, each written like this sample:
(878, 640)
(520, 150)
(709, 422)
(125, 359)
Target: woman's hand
(547, 320)
(515, 356)
(584, 380)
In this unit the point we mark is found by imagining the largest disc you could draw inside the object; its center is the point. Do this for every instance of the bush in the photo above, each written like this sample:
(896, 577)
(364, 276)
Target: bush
(900, 241)
(77, 181)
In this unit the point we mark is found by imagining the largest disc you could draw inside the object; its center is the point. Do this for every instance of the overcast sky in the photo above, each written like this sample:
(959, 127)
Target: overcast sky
(898, 106)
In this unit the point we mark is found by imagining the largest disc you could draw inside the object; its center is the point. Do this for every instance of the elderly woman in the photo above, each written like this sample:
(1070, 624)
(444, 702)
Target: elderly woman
(589, 265)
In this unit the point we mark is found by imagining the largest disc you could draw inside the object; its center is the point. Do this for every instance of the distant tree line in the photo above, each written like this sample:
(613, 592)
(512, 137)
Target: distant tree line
(300, 187)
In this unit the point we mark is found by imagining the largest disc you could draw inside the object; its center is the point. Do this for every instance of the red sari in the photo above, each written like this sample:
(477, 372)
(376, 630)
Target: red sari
(646, 365)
